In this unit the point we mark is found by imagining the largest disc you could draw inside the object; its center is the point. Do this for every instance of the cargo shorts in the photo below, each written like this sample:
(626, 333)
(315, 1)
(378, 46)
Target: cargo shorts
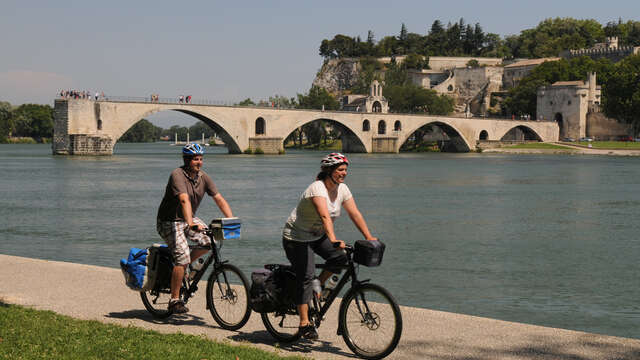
(176, 234)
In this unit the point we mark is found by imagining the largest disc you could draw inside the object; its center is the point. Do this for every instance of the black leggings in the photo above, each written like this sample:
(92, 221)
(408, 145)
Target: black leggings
(300, 254)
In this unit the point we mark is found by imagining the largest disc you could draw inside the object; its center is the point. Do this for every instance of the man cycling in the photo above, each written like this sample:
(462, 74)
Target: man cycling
(176, 221)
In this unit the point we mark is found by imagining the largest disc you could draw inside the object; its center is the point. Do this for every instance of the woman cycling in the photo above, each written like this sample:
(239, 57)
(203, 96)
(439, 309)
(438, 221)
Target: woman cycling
(309, 230)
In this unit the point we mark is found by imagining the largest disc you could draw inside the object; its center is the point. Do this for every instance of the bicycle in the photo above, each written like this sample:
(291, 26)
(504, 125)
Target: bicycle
(227, 288)
(369, 318)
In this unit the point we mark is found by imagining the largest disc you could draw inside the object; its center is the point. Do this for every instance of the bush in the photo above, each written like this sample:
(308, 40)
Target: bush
(258, 151)
(281, 152)
(248, 151)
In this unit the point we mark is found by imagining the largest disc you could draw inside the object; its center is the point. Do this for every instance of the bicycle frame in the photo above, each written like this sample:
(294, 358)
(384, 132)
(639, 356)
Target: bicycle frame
(350, 274)
(192, 286)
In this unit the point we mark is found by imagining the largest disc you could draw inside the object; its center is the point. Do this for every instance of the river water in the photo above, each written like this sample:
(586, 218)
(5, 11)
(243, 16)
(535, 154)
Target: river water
(551, 240)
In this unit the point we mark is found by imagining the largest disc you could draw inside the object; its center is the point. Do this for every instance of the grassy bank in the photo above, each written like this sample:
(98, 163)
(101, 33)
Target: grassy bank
(31, 334)
(537, 146)
(332, 145)
(612, 145)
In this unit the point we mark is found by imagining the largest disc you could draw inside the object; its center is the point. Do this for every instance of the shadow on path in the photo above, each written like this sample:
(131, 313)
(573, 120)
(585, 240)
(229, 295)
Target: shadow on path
(302, 346)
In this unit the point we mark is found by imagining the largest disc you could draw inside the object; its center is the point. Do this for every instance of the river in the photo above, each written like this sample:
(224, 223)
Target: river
(550, 240)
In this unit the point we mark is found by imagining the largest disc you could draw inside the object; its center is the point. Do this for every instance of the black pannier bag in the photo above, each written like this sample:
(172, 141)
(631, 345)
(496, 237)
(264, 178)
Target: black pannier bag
(272, 288)
(262, 294)
(368, 253)
(165, 269)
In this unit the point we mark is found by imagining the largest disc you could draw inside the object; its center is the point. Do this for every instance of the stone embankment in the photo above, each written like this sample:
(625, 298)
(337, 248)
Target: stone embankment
(99, 293)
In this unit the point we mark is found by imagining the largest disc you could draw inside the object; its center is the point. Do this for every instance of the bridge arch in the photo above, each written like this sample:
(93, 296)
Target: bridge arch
(457, 142)
(351, 142)
(484, 135)
(224, 135)
(521, 133)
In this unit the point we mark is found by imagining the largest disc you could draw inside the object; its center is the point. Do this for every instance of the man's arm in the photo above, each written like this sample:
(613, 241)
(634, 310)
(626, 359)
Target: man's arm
(222, 205)
(185, 204)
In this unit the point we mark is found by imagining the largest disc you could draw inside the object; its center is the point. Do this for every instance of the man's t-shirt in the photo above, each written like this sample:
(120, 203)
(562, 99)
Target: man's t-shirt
(304, 223)
(180, 182)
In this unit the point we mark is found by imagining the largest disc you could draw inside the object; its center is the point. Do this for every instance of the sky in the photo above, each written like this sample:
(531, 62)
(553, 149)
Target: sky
(223, 50)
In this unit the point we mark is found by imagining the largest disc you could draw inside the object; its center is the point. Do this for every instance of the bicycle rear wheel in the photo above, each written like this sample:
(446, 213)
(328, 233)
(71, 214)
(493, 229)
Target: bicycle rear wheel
(371, 321)
(228, 297)
(282, 325)
(157, 302)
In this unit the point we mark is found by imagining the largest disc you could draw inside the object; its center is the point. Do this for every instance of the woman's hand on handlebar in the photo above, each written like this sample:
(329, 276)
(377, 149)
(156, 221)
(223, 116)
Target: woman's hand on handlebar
(339, 244)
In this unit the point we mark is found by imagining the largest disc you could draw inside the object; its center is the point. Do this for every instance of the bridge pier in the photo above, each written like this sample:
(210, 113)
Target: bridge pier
(385, 144)
(67, 140)
(269, 145)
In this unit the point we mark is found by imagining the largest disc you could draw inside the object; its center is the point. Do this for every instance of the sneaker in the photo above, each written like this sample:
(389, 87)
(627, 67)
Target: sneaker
(177, 307)
(308, 332)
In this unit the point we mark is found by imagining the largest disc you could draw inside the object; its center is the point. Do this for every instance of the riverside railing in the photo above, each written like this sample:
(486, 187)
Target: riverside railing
(176, 101)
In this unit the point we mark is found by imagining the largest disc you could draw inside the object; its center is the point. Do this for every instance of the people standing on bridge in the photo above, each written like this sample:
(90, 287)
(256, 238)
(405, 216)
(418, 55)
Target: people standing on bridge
(188, 99)
(310, 230)
(180, 99)
(176, 221)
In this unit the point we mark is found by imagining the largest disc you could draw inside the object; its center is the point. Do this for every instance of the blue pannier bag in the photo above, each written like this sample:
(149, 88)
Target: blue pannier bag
(140, 267)
(226, 228)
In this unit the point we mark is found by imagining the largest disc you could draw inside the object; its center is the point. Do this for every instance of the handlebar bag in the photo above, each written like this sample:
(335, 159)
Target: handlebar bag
(368, 252)
(226, 228)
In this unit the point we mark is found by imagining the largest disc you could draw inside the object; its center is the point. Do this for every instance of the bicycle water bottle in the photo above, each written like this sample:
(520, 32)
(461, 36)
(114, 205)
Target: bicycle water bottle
(195, 267)
(317, 288)
(329, 285)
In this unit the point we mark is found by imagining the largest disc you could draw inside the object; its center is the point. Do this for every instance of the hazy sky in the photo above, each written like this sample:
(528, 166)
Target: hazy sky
(223, 50)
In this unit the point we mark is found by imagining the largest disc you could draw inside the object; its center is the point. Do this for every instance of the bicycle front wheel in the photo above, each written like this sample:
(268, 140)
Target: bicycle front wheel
(157, 302)
(282, 325)
(371, 321)
(228, 297)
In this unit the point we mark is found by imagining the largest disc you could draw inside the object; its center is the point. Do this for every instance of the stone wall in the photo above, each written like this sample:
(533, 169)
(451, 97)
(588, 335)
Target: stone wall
(450, 62)
(384, 144)
(601, 127)
(61, 144)
(90, 145)
(474, 86)
(269, 145)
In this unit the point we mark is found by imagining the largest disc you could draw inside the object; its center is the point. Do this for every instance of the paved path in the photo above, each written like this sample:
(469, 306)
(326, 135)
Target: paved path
(569, 149)
(99, 293)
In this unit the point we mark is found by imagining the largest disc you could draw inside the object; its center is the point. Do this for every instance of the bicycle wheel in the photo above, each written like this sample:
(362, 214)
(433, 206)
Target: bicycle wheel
(157, 302)
(282, 325)
(228, 297)
(371, 321)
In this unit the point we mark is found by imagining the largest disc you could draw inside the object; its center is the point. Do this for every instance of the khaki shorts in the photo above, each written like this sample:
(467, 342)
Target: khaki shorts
(176, 235)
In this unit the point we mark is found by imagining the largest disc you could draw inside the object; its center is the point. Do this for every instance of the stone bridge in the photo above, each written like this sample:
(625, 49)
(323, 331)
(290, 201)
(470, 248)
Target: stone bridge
(86, 127)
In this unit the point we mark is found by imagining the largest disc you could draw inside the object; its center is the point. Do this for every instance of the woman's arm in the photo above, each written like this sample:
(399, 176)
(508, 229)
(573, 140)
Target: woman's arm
(320, 203)
(357, 218)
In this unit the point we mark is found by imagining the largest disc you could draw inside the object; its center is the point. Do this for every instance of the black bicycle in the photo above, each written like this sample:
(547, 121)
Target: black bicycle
(369, 318)
(227, 288)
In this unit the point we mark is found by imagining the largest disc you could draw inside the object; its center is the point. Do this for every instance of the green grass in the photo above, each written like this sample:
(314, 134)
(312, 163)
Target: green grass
(31, 334)
(625, 145)
(335, 145)
(537, 146)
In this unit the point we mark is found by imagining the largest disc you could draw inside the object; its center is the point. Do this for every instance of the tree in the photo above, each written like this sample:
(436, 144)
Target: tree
(411, 98)
(33, 120)
(6, 122)
(622, 90)
(317, 98)
(142, 131)
(246, 102)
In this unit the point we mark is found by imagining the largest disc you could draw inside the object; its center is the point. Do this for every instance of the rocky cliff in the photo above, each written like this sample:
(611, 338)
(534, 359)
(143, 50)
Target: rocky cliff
(338, 75)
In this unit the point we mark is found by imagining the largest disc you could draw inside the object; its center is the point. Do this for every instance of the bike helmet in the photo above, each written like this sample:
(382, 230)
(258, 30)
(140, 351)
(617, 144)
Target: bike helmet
(192, 149)
(333, 159)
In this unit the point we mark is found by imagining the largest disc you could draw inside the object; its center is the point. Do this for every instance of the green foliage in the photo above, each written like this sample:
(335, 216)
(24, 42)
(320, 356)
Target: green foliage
(258, 151)
(628, 33)
(411, 98)
(522, 99)
(370, 69)
(316, 99)
(622, 90)
(246, 102)
(415, 61)
(280, 101)
(142, 131)
(473, 63)
(248, 151)
(33, 120)
(30, 334)
(6, 121)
